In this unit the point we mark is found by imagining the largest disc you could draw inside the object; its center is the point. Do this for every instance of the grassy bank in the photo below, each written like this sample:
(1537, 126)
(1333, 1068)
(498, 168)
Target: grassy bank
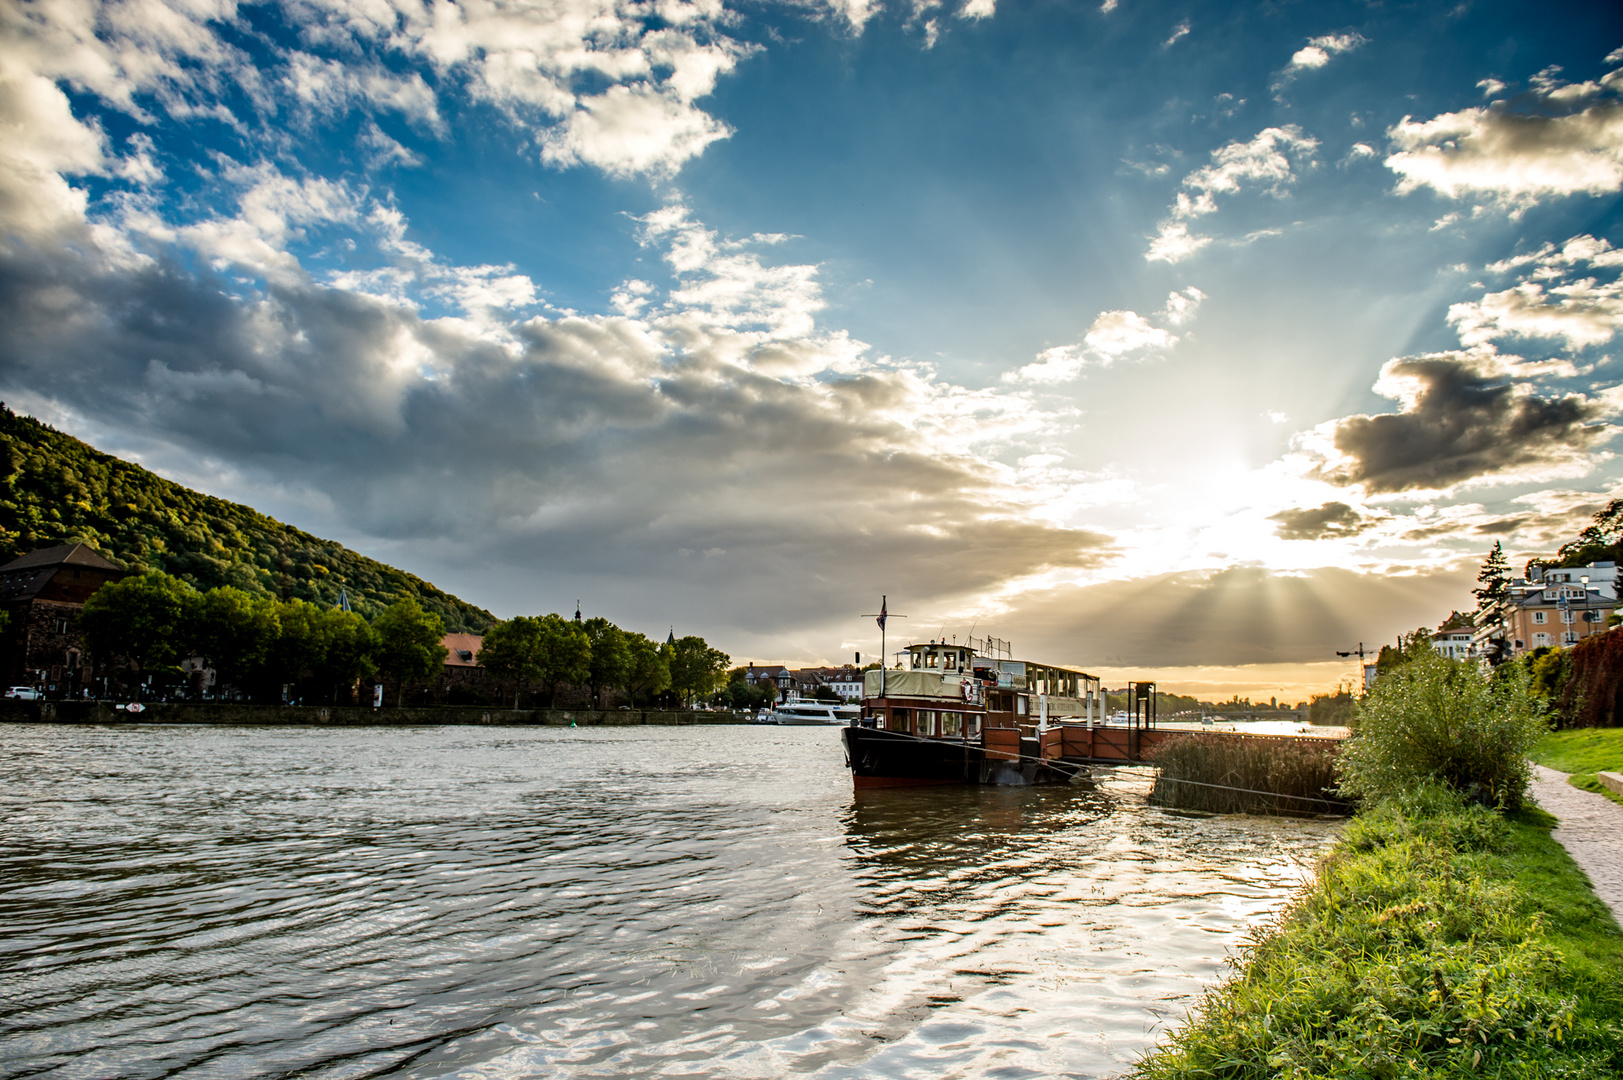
(1583, 753)
(1439, 939)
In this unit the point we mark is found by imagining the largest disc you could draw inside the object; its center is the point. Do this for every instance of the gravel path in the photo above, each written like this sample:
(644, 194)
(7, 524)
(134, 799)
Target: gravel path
(1591, 830)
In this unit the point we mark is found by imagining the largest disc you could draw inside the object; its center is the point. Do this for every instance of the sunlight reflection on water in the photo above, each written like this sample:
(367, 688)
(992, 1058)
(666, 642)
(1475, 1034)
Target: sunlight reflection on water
(518, 902)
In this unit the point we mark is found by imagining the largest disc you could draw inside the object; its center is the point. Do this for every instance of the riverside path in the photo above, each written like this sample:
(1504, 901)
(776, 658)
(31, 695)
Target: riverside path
(1590, 827)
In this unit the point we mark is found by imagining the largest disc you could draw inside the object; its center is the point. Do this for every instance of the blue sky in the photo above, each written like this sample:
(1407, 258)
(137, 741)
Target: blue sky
(1182, 340)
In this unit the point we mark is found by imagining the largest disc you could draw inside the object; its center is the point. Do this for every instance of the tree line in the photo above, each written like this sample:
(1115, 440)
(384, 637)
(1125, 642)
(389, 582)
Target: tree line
(143, 628)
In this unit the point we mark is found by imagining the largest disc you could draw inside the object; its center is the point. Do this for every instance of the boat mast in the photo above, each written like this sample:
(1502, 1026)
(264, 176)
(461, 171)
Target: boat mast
(883, 656)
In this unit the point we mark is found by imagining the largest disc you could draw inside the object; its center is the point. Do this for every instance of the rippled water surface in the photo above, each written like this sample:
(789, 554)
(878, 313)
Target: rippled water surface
(603, 902)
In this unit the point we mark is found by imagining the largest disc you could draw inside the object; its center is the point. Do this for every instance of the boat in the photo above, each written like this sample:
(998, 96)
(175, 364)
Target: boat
(972, 714)
(801, 712)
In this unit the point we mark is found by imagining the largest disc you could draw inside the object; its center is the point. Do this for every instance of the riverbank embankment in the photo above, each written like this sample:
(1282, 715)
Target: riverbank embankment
(1440, 939)
(103, 712)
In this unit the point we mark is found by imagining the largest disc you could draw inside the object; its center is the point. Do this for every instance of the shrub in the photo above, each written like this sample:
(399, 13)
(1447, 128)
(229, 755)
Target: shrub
(1592, 695)
(1444, 720)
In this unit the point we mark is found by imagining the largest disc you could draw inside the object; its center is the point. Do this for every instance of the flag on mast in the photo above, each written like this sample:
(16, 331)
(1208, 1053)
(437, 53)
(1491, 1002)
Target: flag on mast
(881, 619)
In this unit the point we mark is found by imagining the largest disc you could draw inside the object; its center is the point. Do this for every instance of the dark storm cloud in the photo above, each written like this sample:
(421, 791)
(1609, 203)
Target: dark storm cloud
(1459, 424)
(1333, 519)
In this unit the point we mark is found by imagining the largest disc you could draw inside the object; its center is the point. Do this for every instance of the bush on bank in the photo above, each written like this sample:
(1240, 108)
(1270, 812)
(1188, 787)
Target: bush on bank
(1442, 720)
(1439, 939)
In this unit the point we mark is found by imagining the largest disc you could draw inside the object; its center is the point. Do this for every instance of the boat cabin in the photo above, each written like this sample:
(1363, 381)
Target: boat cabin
(942, 690)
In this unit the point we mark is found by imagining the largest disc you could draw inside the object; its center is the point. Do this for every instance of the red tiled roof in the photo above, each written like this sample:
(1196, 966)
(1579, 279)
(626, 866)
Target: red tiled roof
(456, 645)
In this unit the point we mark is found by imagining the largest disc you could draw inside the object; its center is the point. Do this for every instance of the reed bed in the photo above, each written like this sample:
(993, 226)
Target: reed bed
(1256, 774)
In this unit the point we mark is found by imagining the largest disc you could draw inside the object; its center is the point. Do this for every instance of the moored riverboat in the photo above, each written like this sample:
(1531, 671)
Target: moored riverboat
(801, 712)
(956, 714)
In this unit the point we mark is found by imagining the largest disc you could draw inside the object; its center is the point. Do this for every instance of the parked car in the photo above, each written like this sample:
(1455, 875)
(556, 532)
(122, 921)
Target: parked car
(23, 693)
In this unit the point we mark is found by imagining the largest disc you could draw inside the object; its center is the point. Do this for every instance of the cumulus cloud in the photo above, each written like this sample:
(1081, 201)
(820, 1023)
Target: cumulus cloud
(1570, 143)
(1571, 292)
(1332, 521)
(1317, 52)
(602, 84)
(1264, 161)
(1464, 418)
(1112, 336)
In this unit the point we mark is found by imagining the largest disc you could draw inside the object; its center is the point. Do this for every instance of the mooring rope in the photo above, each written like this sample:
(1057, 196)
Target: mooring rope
(1013, 755)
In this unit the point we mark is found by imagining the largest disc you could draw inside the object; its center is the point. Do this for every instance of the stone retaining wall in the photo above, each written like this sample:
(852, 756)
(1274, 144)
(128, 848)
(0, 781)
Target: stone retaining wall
(99, 712)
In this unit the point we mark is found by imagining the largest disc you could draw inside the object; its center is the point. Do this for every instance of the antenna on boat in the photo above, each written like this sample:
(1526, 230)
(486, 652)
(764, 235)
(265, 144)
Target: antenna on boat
(884, 613)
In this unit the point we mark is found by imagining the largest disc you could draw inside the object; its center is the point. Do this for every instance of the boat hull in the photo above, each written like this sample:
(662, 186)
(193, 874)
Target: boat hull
(880, 759)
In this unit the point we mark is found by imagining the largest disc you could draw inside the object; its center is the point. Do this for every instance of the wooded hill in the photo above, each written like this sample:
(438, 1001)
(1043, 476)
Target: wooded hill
(55, 489)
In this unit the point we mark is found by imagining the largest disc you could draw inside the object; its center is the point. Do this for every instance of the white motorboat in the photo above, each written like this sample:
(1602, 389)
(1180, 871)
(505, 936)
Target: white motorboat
(799, 713)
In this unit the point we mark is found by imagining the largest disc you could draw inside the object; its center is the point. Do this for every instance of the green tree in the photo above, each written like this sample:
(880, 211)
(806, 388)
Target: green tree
(566, 655)
(1409, 646)
(139, 618)
(351, 648)
(1331, 710)
(408, 643)
(1601, 540)
(648, 671)
(696, 668)
(300, 644)
(1493, 588)
(512, 650)
(320, 648)
(235, 631)
(742, 695)
(610, 656)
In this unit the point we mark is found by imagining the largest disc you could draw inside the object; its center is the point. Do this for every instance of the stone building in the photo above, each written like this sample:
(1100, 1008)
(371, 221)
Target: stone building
(44, 593)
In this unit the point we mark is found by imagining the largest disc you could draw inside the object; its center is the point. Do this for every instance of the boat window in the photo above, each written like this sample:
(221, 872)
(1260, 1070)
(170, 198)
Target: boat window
(972, 726)
(899, 720)
(1020, 705)
(952, 724)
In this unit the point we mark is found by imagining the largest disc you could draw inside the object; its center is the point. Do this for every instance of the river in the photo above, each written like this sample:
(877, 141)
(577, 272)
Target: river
(604, 902)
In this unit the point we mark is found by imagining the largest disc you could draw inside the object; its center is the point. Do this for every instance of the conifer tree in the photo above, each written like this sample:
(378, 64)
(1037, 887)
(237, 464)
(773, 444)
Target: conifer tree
(1493, 587)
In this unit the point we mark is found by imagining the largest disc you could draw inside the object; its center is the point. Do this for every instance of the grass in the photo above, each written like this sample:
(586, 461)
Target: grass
(1439, 940)
(1225, 774)
(1583, 753)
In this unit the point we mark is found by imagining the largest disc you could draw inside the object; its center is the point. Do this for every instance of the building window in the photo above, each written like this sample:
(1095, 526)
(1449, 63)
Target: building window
(1541, 641)
(1570, 637)
(1569, 617)
(1538, 617)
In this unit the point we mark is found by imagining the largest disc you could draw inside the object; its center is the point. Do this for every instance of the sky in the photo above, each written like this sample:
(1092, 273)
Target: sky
(1183, 341)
